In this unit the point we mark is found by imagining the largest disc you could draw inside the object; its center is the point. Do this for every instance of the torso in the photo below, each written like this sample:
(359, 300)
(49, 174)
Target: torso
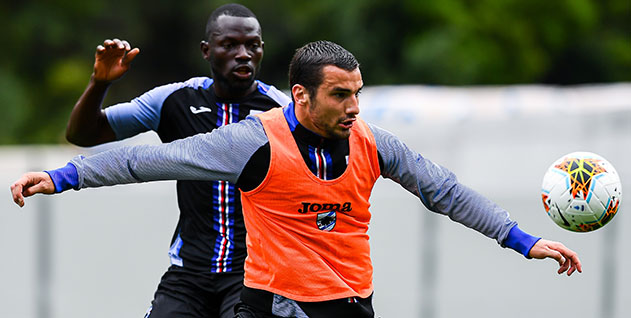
(210, 235)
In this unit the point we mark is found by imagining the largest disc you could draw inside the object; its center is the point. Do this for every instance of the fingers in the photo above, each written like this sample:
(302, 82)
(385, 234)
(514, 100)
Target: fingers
(16, 193)
(564, 264)
(569, 266)
(112, 60)
(40, 187)
(572, 258)
(568, 260)
(126, 45)
(109, 46)
(17, 189)
(571, 261)
(30, 184)
(115, 45)
(130, 56)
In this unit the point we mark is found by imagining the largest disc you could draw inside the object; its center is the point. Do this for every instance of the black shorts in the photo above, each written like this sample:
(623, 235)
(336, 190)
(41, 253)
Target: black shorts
(186, 294)
(256, 303)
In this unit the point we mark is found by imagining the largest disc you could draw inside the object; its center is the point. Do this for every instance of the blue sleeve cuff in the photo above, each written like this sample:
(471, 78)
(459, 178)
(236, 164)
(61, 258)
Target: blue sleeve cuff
(520, 241)
(64, 178)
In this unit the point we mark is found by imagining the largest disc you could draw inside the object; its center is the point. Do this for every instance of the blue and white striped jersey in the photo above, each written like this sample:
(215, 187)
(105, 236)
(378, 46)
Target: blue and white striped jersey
(210, 234)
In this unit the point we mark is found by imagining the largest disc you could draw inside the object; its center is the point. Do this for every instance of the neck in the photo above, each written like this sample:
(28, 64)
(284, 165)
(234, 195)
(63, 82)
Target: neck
(227, 91)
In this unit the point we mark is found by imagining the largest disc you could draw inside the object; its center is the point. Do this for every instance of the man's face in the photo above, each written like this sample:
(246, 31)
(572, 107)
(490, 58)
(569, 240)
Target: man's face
(333, 110)
(234, 51)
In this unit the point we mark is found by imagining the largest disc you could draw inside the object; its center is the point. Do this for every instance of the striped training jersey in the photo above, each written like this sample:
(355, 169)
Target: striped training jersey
(210, 234)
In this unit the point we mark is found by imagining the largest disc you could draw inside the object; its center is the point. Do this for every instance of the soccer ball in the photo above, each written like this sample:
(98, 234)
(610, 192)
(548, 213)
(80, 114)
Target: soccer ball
(581, 192)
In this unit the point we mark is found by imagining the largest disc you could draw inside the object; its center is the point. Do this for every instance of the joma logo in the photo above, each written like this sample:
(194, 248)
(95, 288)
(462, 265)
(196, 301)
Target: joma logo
(316, 207)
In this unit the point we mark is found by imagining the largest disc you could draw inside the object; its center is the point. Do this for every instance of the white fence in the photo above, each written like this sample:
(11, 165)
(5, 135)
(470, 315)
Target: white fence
(101, 252)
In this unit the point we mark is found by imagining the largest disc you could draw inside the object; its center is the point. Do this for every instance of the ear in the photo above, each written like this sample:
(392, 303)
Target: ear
(300, 95)
(205, 47)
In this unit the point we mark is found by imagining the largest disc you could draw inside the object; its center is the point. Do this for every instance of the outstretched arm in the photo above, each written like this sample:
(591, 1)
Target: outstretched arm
(219, 155)
(439, 191)
(88, 125)
(29, 184)
(568, 259)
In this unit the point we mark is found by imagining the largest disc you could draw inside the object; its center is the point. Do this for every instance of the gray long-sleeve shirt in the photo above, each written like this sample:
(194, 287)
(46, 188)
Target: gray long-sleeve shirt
(223, 154)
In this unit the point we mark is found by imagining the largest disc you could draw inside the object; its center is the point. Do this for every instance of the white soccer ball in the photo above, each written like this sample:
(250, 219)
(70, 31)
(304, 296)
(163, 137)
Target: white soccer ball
(581, 192)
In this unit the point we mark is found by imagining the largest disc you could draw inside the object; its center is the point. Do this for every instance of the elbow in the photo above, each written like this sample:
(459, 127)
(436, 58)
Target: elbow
(75, 138)
(76, 141)
(71, 137)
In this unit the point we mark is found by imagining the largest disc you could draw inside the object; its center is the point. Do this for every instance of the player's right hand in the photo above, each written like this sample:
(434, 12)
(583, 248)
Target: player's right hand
(112, 59)
(29, 184)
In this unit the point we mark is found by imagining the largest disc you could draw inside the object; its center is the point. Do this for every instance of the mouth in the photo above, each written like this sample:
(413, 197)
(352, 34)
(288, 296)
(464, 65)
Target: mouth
(348, 123)
(243, 72)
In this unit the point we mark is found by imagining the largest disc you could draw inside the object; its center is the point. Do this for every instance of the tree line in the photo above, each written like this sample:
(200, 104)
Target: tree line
(49, 46)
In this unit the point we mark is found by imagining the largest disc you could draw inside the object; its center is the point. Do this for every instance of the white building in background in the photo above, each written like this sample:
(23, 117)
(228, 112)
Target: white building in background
(101, 252)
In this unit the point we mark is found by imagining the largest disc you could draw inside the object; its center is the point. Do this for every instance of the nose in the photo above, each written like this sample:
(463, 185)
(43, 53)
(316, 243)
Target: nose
(243, 53)
(353, 106)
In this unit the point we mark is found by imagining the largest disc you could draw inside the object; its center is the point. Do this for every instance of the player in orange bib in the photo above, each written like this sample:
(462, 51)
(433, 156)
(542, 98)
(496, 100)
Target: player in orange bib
(306, 172)
(310, 226)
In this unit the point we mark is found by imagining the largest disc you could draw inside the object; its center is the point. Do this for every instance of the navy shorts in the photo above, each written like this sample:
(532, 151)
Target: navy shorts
(196, 295)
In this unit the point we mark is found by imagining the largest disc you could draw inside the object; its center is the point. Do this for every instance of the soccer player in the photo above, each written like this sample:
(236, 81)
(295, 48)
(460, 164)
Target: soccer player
(306, 173)
(208, 247)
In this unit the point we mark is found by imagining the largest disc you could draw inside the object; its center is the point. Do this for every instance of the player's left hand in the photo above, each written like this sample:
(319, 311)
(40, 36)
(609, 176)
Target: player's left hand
(568, 259)
(30, 184)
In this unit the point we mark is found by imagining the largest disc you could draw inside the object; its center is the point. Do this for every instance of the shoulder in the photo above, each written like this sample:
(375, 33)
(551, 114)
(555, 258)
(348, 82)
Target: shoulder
(198, 82)
(157, 95)
(247, 131)
(389, 146)
(272, 92)
(192, 83)
(380, 134)
(250, 127)
(242, 138)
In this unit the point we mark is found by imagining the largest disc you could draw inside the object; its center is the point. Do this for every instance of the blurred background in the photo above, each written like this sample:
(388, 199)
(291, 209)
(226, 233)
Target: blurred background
(49, 46)
(495, 90)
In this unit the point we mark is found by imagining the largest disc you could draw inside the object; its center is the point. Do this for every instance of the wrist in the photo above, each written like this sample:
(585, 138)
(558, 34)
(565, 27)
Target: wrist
(97, 82)
(520, 241)
(64, 178)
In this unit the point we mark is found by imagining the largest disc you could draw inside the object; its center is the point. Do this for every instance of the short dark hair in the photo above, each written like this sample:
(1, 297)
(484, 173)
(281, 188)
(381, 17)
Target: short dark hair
(230, 9)
(307, 64)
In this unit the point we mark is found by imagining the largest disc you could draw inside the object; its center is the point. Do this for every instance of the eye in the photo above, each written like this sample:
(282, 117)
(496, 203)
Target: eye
(227, 45)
